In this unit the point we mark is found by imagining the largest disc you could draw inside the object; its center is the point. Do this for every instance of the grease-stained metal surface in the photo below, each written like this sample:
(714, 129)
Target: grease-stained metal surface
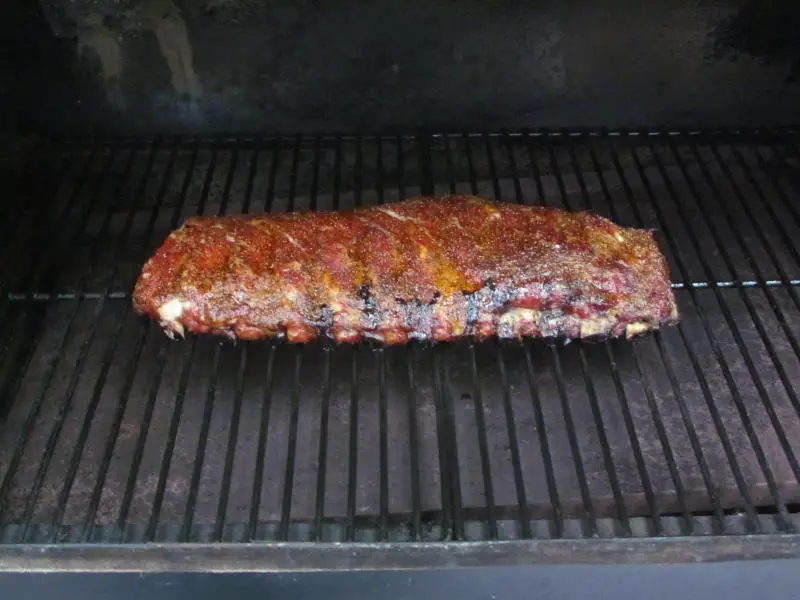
(277, 66)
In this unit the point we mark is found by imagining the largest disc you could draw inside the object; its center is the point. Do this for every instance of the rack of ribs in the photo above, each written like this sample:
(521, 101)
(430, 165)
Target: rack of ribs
(437, 269)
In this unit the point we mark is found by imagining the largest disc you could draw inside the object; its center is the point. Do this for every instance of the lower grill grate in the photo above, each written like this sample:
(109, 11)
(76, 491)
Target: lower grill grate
(113, 433)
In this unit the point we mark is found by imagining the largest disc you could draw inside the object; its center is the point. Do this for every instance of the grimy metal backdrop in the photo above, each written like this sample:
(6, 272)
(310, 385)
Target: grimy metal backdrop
(406, 65)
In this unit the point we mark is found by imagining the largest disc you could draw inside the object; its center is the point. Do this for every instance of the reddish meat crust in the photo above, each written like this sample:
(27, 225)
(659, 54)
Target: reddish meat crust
(426, 268)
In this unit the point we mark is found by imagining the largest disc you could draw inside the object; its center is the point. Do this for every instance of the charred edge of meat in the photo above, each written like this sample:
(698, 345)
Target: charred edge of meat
(365, 293)
(551, 322)
(491, 306)
(496, 300)
(324, 319)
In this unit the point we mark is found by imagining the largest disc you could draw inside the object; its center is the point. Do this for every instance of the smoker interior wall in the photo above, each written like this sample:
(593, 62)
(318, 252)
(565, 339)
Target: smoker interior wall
(301, 66)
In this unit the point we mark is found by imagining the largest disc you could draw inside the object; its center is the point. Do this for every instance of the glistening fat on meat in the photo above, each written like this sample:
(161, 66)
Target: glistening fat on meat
(436, 268)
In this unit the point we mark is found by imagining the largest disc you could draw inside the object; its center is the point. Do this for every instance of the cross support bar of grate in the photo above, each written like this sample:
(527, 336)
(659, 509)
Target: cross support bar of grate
(112, 434)
(282, 557)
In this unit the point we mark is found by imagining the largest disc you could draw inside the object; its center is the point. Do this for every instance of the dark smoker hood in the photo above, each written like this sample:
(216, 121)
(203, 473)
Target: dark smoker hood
(409, 65)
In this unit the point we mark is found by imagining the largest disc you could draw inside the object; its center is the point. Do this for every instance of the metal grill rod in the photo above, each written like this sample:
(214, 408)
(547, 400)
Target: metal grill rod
(266, 401)
(12, 226)
(286, 502)
(292, 196)
(535, 171)
(754, 315)
(100, 382)
(322, 457)
(352, 462)
(13, 334)
(27, 276)
(113, 435)
(557, 524)
(219, 524)
(185, 534)
(426, 181)
(194, 485)
(269, 198)
(414, 464)
(47, 254)
(227, 475)
(68, 397)
(757, 448)
(492, 169)
(144, 425)
(477, 397)
(483, 447)
(383, 449)
(78, 368)
(621, 395)
(186, 527)
(383, 423)
(263, 436)
(166, 459)
(593, 402)
(138, 453)
(47, 379)
(10, 234)
(450, 165)
(452, 508)
(452, 519)
(513, 442)
(753, 520)
(401, 167)
(589, 519)
(239, 393)
(787, 203)
(516, 459)
(654, 411)
(744, 205)
(766, 243)
(724, 438)
(251, 177)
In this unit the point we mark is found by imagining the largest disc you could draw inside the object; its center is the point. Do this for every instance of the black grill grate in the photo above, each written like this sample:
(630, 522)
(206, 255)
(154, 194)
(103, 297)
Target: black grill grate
(112, 433)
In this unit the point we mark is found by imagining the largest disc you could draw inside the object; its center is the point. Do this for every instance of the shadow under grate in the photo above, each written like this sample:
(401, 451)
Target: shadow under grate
(112, 433)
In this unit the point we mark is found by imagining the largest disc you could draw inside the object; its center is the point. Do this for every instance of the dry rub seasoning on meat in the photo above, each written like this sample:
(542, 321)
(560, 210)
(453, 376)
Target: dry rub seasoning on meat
(427, 268)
